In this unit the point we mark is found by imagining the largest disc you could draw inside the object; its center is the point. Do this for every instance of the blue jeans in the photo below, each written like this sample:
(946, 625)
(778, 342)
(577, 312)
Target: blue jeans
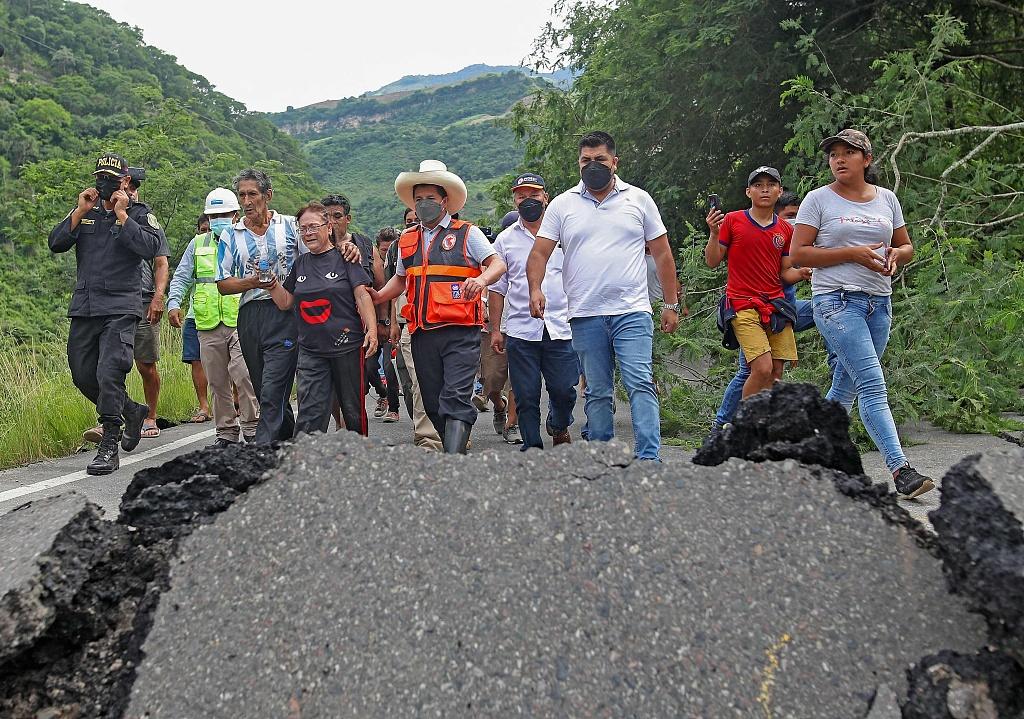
(629, 338)
(855, 326)
(734, 392)
(556, 361)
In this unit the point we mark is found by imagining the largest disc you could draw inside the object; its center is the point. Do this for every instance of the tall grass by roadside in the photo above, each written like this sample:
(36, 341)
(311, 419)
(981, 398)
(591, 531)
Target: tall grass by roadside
(43, 415)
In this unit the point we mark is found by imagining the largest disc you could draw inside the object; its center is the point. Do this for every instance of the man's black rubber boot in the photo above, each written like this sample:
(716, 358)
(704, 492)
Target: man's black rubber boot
(106, 460)
(456, 436)
(133, 420)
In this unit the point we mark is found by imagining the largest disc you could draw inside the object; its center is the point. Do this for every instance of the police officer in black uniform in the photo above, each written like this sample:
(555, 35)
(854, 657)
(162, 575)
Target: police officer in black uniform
(111, 235)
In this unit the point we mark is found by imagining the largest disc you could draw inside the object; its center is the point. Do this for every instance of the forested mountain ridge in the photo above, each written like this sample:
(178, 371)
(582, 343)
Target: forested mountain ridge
(560, 78)
(359, 145)
(75, 83)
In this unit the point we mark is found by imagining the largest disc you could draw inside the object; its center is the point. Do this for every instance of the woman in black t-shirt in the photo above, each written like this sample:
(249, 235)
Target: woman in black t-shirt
(337, 326)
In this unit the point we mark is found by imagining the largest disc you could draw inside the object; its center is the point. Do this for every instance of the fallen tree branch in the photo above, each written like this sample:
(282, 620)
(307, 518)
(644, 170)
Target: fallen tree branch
(909, 137)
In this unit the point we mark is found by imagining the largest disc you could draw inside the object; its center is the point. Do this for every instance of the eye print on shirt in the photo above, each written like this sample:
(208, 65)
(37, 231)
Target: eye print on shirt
(300, 278)
(331, 276)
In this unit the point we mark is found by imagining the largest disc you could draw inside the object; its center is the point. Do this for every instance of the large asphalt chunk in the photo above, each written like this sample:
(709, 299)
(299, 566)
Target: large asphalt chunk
(789, 421)
(47, 549)
(980, 528)
(373, 581)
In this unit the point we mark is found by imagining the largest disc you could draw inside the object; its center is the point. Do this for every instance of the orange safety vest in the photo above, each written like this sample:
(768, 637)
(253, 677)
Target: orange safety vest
(435, 283)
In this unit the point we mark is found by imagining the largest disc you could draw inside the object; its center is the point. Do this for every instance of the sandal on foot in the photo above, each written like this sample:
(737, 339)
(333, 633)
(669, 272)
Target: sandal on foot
(200, 417)
(150, 430)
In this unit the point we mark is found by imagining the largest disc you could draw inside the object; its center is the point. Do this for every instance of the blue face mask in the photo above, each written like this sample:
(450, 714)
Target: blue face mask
(220, 224)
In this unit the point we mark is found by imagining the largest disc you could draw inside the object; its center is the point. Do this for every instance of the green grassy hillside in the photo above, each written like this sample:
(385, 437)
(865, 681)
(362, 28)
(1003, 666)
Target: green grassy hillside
(75, 83)
(359, 145)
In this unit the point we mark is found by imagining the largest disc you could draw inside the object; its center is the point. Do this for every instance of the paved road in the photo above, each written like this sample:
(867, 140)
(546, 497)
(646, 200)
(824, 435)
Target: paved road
(933, 453)
(42, 479)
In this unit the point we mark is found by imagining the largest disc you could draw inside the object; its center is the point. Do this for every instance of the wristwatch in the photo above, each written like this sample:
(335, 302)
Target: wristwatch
(386, 322)
(674, 308)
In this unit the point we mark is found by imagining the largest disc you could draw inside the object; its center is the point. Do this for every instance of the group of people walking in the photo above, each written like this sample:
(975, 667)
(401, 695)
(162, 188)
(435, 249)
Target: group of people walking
(562, 293)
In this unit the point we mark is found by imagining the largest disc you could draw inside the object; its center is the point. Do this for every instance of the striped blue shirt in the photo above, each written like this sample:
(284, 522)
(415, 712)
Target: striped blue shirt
(240, 251)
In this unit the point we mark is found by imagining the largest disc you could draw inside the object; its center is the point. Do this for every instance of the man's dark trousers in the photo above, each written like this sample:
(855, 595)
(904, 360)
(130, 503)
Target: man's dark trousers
(447, 359)
(268, 339)
(557, 362)
(100, 354)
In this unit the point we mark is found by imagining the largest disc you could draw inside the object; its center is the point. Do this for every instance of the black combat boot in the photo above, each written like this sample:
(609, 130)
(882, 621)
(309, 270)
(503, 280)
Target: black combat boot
(133, 419)
(106, 460)
(456, 436)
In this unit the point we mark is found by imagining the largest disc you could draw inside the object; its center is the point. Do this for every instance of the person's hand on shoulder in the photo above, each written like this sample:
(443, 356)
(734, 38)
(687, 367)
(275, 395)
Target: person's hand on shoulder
(350, 251)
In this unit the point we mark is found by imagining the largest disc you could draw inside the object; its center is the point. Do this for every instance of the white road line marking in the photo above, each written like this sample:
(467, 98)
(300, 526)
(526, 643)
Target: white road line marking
(128, 460)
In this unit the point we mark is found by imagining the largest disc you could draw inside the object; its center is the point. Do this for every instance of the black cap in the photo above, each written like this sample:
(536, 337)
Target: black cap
(111, 164)
(138, 174)
(764, 170)
(529, 179)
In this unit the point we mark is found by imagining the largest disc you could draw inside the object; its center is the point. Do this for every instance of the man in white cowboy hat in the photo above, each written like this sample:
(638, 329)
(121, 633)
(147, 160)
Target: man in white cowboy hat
(444, 266)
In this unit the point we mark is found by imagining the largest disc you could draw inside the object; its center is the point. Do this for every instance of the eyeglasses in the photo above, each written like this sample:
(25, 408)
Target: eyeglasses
(312, 229)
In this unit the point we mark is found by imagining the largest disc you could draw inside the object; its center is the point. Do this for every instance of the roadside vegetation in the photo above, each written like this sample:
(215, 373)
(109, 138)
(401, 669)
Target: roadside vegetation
(43, 415)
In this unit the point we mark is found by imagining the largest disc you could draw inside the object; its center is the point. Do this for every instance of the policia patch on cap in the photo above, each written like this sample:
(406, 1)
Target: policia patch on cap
(152, 221)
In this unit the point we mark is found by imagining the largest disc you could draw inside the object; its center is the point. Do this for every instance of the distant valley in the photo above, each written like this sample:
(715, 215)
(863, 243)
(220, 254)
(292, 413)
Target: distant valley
(359, 145)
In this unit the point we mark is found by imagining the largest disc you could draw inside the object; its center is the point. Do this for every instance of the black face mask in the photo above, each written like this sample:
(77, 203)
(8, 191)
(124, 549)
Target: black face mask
(596, 176)
(531, 209)
(107, 186)
(429, 211)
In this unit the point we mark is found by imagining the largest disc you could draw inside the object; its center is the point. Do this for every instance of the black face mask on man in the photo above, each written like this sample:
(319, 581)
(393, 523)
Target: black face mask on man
(596, 175)
(429, 211)
(107, 186)
(531, 209)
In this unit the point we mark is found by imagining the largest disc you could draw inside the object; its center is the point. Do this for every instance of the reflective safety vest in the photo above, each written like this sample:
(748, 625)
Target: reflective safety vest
(210, 307)
(435, 283)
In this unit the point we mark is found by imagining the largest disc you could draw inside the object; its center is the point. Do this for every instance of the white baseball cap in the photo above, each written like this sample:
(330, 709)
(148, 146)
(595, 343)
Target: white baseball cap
(220, 201)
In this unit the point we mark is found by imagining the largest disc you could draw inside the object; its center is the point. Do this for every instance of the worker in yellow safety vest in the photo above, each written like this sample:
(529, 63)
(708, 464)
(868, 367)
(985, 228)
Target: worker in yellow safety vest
(215, 317)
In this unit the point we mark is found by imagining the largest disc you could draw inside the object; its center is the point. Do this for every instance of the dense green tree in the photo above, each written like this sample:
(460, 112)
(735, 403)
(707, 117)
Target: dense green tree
(697, 92)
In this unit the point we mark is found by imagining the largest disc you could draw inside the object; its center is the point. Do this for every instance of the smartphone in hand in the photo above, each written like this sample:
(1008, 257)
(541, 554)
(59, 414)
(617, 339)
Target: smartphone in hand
(715, 202)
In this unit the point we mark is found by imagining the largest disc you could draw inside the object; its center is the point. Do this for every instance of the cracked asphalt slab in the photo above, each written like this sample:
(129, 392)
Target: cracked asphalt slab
(405, 583)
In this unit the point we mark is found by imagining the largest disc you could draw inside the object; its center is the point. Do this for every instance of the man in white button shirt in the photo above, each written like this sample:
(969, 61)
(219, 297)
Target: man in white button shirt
(536, 346)
(603, 225)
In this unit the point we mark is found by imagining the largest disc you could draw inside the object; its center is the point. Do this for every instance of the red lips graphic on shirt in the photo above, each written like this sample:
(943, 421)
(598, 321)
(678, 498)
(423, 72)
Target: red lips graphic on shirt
(315, 312)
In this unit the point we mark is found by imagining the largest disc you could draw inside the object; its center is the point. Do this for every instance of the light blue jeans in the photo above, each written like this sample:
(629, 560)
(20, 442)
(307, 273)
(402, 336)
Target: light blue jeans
(599, 342)
(855, 326)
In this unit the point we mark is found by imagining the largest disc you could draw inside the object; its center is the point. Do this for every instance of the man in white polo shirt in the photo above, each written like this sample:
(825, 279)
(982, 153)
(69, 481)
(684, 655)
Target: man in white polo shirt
(536, 347)
(603, 225)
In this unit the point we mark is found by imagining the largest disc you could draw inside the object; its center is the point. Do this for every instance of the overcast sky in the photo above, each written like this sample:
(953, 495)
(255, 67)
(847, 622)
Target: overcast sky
(306, 51)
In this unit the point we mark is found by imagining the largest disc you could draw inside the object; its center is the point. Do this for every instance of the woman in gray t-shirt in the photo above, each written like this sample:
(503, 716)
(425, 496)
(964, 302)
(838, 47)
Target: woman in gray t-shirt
(853, 233)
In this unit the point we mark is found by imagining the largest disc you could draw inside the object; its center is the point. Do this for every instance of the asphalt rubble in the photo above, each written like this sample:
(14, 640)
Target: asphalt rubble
(337, 576)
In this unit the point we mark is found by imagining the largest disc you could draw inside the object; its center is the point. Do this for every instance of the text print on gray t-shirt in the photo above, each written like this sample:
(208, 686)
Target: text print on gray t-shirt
(844, 223)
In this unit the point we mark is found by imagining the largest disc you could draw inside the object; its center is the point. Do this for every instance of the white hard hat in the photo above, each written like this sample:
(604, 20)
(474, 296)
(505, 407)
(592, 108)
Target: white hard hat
(220, 201)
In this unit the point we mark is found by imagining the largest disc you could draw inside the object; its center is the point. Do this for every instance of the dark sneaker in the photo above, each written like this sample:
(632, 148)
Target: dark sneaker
(480, 402)
(249, 438)
(382, 407)
(911, 483)
(133, 420)
(498, 420)
(391, 417)
(221, 443)
(511, 435)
